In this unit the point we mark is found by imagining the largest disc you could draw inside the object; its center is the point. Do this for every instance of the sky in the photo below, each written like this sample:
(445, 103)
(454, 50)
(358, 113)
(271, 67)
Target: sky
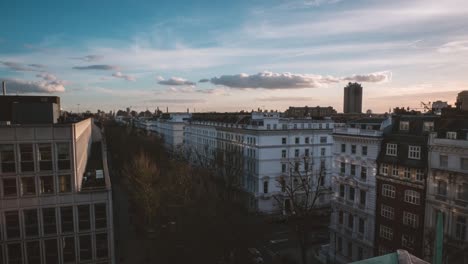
(234, 55)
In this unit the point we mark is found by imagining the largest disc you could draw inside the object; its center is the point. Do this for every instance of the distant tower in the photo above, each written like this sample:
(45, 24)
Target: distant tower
(352, 98)
(462, 101)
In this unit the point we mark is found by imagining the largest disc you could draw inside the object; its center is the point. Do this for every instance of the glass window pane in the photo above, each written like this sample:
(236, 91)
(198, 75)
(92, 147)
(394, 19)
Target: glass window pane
(45, 157)
(9, 187)
(84, 217)
(12, 224)
(66, 214)
(49, 221)
(33, 252)
(69, 250)
(51, 251)
(28, 186)
(31, 222)
(7, 158)
(27, 157)
(101, 246)
(85, 248)
(47, 184)
(15, 255)
(64, 183)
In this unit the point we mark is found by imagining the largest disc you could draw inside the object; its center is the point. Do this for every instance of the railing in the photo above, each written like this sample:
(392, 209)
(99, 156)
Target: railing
(358, 132)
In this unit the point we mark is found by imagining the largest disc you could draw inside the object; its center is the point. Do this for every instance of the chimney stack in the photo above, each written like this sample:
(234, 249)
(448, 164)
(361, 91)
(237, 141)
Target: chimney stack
(4, 87)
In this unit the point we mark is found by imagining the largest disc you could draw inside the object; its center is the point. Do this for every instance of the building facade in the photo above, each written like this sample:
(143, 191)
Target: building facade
(352, 98)
(55, 194)
(266, 150)
(401, 185)
(170, 129)
(355, 151)
(447, 190)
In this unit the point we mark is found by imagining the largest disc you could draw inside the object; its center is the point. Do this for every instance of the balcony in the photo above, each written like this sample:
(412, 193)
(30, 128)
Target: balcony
(358, 132)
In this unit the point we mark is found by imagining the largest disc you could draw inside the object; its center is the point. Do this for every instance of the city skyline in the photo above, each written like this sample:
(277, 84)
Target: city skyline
(235, 56)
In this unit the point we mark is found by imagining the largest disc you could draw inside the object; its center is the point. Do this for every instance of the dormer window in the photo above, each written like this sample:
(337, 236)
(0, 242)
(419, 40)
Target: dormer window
(451, 135)
(404, 125)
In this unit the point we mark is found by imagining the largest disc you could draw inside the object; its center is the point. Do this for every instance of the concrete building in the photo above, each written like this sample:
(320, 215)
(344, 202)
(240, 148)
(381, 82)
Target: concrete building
(55, 194)
(352, 98)
(401, 185)
(355, 151)
(266, 149)
(447, 190)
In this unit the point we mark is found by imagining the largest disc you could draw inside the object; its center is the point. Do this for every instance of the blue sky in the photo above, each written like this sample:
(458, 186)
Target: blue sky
(247, 54)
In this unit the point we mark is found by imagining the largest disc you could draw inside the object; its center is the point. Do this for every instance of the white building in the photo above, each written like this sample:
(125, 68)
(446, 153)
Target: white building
(447, 188)
(355, 150)
(170, 129)
(270, 147)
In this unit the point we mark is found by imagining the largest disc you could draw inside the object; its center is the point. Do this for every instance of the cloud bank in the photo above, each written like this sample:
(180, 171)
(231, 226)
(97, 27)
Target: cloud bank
(15, 66)
(96, 67)
(49, 83)
(175, 81)
(89, 58)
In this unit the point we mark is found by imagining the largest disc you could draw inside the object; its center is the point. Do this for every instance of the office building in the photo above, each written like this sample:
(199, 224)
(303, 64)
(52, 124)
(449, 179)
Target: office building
(352, 99)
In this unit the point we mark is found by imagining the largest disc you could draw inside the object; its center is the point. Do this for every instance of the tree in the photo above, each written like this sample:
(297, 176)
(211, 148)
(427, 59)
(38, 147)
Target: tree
(300, 191)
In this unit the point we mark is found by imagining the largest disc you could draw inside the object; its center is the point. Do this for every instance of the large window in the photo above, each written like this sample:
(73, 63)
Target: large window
(100, 215)
(51, 251)
(388, 190)
(15, 255)
(362, 196)
(296, 153)
(363, 173)
(31, 223)
(386, 232)
(63, 156)
(350, 221)
(414, 152)
(64, 183)
(66, 219)
(340, 217)
(27, 157)
(9, 187)
(404, 125)
(351, 194)
(407, 173)
(342, 190)
(47, 184)
(85, 248)
(84, 222)
(442, 188)
(410, 219)
(353, 149)
(353, 170)
(419, 175)
(12, 224)
(463, 192)
(387, 211)
(391, 149)
(322, 152)
(412, 197)
(343, 148)
(395, 171)
(306, 152)
(28, 186)
(362, 225)
(384, 169)
(364, 150)
(45, 156)
(460, 228)
(283, 167)
(283, 140)
(283, 153)
(49, 221)
(407, 241)
(69, 250)
(102, 246)
(297, 140)
(323, 140)
(33, 252)
(443, 161)
(7, 158)
(342, 168)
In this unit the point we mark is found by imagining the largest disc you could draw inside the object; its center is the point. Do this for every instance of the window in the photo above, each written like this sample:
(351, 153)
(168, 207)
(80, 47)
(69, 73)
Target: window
(85, 248)
(306, 166)
(66, 219)
(384, 169)
(283, 167)
(84, 217)
(51, 251)
(362, 225)
(14, 253)
(33, 252)
(69, 250)
(101, 246)
(464, 163)
(360, 253)
(410, 219)
(27, 157)
(340, 217)
(451, 135)
(443, 161)
(7, 158)
(340, 244)
(460, 228)
(283, 140)
(100, 216)
(350, 221)
(419, 175)
(12, 224)
(414, 152)
(428, 126)
(353, 170)
(388, 190)
(412, 197)
(322, 152)
(463, 192)
(363, 173)
(343, 148)
(283, 153)
(28, 186)
(386, 232)
(268, 126)
(391, 149)
(387, 211)
(342, 190)
(407, 173)
(265, 187)
(296, 166)
(47, 184)
(351, 193)
(350, 249)
(342, 168)
(407, 241)
(296, 140)
(9, 187)
(296, 153)
(49, 221)
(31, 223)
(395, 171)
(404, 125)
(353, 149)
(323, 140)
(306, 153)
(362, 196)
(64, 182)
(63, 156)
(45, 156)
(441, 188)
(364, 150)
(307, 140)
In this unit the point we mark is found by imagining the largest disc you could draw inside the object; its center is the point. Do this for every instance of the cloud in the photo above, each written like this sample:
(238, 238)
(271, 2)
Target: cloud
(204, 80)
(96, 67)
(89, 58)
(454, 46)
(376, 77)
(123, 76)
(174, 81)
(35, 65)
(177, 101)
(49, 84)
(15, 66)
(285, 99)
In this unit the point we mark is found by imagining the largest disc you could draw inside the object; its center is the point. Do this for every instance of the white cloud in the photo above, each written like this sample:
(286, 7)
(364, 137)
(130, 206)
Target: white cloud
(454, 46)
(176, 81)
(15, 66)
(377, 77)
(89, 58)
(96, 67)
(48, 84)
(124, 76)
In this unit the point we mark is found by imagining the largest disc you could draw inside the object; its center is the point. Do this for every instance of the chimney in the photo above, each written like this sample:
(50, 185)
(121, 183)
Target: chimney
(4, 87)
